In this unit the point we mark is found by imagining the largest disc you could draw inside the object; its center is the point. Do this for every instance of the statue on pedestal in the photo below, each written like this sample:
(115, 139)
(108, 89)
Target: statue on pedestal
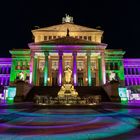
(67, 89)
(68, 74)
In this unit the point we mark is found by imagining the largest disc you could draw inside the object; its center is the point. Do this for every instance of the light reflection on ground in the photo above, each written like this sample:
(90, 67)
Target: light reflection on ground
(101, 122)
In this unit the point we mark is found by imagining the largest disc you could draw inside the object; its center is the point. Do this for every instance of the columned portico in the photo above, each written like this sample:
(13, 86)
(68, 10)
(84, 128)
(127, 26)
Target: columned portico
(58, 47)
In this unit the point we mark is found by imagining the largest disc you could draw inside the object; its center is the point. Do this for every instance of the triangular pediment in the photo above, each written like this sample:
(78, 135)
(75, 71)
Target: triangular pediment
(64, 26)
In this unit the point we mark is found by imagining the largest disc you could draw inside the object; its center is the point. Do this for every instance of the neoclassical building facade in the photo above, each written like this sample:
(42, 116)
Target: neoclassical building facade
(68, 45)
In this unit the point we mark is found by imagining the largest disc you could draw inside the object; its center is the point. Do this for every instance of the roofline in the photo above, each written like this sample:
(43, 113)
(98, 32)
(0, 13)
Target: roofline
(41, 29)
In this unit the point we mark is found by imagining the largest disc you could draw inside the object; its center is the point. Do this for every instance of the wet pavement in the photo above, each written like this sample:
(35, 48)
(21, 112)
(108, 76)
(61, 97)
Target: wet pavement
(108, 121)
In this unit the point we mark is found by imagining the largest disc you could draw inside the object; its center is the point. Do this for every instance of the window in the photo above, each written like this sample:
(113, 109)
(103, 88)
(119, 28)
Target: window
(54, 65)
(125, 71)
(80, 65)
(3, 70)
(50, 37)
(89, 38)
(54, 37)
(45, 38)
(67, 64)
(9, 70)
(80, 37)
(93, 65)
(85, 37)
(133, 71)
(137, 72)
(129, 72)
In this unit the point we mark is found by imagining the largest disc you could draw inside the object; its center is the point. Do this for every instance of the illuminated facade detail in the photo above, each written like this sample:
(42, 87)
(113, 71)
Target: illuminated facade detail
(123, 95)
(53, 51)
(67, 19)
(20, 63)
(11, 94)
(81, 50)
(46, 70)
(132, 72)
(89, 68)
(60, 70)
(114, 63)
(5, 69)
(75, 69)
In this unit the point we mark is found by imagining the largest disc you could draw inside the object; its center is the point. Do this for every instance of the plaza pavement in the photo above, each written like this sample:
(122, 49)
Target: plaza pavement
(107, 121)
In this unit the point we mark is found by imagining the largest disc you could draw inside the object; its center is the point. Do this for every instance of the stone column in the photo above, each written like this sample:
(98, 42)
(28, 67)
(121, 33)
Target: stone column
(103, 68)
(35, 71)
(74, 68)
(60, 69)
(31, 68)
(97, 74)
(89, 68)
(46, 65)
(100, 70)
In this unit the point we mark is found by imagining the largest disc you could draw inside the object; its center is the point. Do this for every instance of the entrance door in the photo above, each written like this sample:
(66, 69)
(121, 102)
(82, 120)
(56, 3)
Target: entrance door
(80, 79)
(54, 78)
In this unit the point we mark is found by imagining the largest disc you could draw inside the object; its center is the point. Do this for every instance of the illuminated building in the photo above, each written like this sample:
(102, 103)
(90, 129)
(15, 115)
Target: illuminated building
(69, 45)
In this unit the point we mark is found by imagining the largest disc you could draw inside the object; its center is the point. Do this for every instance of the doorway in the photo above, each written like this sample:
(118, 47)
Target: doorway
(54, 78)
(80, 79)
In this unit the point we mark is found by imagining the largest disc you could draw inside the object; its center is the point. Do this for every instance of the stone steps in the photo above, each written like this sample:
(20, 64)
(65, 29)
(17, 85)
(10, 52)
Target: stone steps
(52, 91)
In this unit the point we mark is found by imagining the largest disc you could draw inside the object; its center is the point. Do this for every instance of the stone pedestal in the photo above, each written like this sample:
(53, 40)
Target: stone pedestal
(67, 90)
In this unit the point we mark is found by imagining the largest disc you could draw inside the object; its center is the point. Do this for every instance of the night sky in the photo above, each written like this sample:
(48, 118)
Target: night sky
(120, 20)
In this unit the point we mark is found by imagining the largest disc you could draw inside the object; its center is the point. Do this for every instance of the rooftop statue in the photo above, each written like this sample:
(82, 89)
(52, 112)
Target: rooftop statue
(67, 19)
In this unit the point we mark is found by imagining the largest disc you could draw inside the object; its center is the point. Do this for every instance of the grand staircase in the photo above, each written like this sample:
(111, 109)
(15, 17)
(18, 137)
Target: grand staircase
(51, 91)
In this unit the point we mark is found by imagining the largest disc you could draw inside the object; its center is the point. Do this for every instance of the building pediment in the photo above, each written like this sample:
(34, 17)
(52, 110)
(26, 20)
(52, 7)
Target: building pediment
(64, 26)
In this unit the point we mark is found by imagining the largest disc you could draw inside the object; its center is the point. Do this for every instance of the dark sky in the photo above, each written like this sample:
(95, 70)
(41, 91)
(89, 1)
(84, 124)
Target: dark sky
(120, 20)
